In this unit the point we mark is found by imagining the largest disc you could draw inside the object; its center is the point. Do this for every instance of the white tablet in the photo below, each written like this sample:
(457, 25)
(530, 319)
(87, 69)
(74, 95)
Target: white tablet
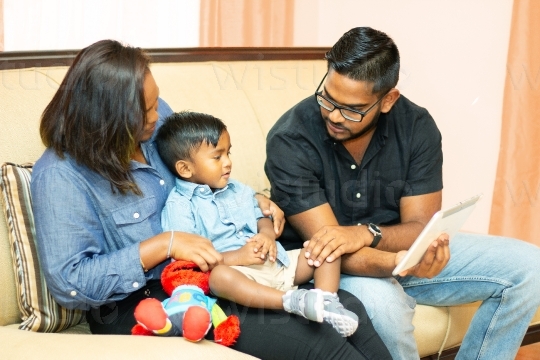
(447, 221)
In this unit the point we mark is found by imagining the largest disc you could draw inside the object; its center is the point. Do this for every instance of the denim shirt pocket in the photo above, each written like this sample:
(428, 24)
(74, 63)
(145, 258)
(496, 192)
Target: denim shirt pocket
(138, 220)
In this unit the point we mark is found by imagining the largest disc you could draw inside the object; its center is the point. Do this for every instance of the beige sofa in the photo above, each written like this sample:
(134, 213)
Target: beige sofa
(247, 88)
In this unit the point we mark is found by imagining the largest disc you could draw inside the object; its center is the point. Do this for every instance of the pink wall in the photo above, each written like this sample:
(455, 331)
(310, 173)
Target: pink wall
(453, 63)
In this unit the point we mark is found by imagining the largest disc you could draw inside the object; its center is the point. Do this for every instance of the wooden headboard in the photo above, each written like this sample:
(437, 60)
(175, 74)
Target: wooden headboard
(28, 59)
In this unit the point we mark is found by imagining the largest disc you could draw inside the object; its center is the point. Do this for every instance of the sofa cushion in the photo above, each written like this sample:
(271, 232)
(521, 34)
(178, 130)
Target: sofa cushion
(39, 311)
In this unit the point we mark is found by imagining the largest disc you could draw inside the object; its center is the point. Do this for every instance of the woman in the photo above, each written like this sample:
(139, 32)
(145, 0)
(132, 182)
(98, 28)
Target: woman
(98, 191)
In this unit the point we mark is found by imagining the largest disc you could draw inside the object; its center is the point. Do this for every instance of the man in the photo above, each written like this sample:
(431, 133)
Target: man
(363, 177)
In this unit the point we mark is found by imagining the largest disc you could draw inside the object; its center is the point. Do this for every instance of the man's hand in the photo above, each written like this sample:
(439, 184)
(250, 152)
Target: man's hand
(270, 209)
(330, 242)
(433, 261)
(264, 246)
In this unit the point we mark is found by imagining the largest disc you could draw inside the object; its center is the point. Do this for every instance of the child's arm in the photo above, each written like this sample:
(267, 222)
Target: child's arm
(265, 240)
(265, 226)
(244, 256)
(255, 250)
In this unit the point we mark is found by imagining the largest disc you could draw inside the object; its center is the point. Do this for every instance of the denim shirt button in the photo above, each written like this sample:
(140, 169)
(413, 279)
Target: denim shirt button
(136, 215)
(353, 166)
(240, 233)
(135, 284)
(73, 293)
(161, 182)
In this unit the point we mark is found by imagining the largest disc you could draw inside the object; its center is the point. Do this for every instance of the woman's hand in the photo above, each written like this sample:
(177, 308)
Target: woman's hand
(270, 209)
(195, 248)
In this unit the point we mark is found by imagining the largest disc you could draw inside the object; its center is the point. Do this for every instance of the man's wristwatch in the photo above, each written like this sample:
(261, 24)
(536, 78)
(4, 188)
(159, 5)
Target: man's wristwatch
(377, 235)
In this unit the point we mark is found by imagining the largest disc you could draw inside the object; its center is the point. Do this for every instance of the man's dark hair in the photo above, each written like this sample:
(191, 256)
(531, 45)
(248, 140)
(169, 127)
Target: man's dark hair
(366, 54)
(99, 111)
(184, 132)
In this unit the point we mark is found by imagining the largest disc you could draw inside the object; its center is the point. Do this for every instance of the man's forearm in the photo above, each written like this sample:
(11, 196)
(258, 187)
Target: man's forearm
(381, 261)
(399, 237)
(369, 262)
(415, 213)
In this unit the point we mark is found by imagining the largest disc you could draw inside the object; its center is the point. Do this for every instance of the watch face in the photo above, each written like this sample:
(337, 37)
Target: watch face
(374, 229)
(377, 235)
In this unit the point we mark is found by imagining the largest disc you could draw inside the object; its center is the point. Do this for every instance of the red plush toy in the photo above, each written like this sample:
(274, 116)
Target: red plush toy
(189, 312)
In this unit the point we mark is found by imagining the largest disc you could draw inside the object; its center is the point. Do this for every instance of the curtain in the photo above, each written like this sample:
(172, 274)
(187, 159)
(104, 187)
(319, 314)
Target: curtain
(262, 23)
(1, 25)
(516, 200)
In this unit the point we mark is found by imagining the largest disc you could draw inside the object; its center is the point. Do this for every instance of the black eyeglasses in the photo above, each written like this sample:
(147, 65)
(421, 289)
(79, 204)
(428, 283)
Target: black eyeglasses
(347, 112)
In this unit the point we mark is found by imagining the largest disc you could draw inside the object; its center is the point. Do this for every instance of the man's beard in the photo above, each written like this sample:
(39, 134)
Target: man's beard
(372, 125)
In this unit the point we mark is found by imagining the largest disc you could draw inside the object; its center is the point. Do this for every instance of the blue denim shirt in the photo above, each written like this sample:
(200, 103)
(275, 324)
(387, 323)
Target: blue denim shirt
(228, 216)
(88, 235)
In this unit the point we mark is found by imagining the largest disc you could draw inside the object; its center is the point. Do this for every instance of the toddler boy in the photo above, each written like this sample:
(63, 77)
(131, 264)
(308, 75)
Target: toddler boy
(257, 271)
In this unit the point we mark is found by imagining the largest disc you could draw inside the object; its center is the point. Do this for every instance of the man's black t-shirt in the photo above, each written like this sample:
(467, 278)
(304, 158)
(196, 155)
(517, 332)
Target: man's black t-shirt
(307, 168)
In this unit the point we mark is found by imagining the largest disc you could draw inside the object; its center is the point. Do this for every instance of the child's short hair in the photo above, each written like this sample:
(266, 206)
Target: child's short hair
(184, 132)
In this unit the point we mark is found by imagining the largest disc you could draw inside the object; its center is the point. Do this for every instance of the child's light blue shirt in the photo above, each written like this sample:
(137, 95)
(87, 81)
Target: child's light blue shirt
(228, 216)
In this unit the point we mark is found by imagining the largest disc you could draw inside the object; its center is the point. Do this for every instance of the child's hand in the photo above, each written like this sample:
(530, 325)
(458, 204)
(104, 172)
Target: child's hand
(264, 246)
(247, 255)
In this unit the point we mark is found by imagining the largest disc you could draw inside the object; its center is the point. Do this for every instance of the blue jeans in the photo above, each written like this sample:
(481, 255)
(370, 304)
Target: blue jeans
(503, 273)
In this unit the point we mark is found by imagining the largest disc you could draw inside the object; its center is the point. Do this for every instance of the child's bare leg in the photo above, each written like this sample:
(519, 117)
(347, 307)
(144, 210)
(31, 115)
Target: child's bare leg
(231, 284)
(326, 276)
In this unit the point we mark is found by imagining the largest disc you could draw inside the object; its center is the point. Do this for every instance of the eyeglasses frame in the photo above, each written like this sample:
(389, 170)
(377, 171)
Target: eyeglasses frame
(340, 107)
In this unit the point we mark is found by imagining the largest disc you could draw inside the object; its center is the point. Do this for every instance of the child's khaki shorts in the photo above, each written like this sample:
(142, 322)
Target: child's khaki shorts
(273, 275)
